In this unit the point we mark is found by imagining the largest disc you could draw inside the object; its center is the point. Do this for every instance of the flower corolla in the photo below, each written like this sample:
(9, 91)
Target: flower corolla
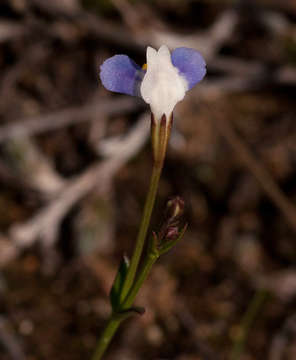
(168, 76)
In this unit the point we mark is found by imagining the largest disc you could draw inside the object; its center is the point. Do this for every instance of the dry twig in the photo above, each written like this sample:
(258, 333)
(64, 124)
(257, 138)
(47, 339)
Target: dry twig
(70, 116)
(45, 224)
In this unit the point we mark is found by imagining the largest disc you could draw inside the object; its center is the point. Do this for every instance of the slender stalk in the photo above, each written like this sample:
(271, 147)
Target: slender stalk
(150, 200)
(130, 289)
(106, 337)
(160, 135)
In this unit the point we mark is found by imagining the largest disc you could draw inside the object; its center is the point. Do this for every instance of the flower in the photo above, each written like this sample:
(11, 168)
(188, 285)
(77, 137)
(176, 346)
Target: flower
(167, 78)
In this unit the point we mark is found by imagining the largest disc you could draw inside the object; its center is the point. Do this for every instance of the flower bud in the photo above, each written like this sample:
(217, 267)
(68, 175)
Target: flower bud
(175, 208)
(172, 233)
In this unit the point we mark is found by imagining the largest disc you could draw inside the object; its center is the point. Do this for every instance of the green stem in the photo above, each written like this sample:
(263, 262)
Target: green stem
(129, 290)
(146, 267)
(160, 135)
(150, 200)
(106, 337)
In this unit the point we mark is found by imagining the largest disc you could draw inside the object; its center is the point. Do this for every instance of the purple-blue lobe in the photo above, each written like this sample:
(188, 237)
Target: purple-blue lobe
(121, 74)
(190, 64)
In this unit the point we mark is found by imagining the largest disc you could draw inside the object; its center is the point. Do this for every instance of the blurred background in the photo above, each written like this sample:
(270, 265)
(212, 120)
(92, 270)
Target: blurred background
(74, 167)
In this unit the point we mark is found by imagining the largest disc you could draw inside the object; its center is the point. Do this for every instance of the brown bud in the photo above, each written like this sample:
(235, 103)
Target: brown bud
(175, 208)
(172, 233)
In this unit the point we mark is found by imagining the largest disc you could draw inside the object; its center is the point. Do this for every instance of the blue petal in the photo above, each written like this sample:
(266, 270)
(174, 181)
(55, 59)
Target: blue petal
(121, 74)
(190, 63)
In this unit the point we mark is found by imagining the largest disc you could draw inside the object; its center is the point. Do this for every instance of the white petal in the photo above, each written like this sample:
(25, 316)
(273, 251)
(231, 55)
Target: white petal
(164, 53)
(162, 86)
(151, 54)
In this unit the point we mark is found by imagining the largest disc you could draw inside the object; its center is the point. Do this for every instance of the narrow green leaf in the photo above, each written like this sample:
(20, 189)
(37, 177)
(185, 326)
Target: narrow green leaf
(118, 283)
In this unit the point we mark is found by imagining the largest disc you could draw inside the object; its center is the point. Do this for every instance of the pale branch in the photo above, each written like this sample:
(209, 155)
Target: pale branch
(45, 224)
(70, 116)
